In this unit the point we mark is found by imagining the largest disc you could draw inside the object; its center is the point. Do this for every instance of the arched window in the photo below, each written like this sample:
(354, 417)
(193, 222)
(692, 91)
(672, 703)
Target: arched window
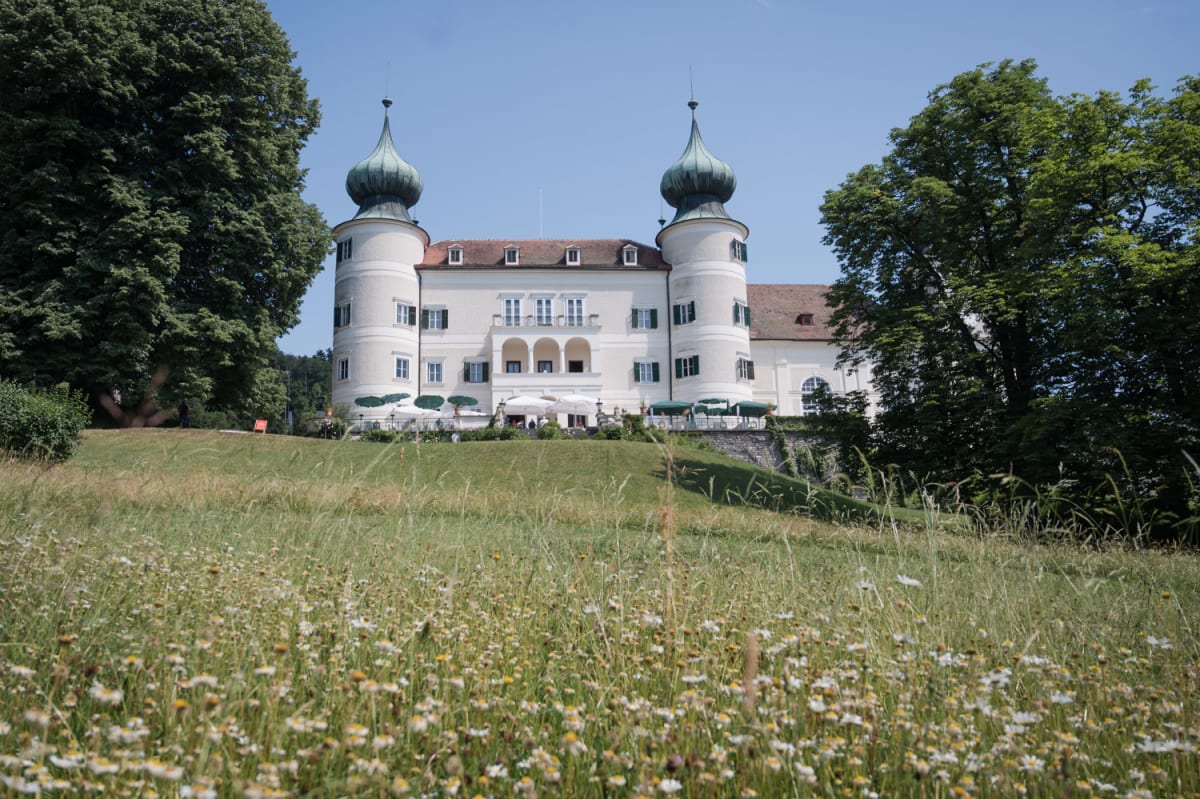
(808, 393)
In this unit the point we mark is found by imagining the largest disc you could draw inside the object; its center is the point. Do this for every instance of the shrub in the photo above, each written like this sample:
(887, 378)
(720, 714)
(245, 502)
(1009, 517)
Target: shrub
(492, 433)
(610, 432)
(550, 430)
(44, 425)
(379, 436)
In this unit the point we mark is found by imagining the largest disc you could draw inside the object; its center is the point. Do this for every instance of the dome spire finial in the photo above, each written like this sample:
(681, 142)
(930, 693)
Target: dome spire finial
(698, 184)
(383, 184)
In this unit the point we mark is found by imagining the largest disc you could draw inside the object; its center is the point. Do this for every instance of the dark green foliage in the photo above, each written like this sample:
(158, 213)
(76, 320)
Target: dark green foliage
(636, 430)
(1022, 270)
(308, 379)
(550, 430)
(493, 432)
(379, 436)
(610, 432)
(150, 210)
(41, 425)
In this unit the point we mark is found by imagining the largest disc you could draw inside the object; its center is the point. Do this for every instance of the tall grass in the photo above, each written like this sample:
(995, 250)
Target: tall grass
(194, 615)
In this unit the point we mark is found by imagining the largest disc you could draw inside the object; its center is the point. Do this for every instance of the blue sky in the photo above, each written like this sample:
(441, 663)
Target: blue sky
(556, 119)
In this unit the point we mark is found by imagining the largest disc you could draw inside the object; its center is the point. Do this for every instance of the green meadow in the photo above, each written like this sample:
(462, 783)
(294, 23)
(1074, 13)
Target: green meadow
(196, 614)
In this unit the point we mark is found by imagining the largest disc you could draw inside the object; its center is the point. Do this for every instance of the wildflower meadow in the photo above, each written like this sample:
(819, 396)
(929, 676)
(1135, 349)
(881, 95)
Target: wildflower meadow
(186, 614)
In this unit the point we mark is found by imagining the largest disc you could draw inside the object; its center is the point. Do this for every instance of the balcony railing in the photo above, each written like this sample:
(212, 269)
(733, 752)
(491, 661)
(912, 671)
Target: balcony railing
(557, 320)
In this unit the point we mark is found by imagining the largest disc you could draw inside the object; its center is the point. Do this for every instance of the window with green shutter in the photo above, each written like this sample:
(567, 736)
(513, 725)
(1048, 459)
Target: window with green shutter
(645, 319)
(741, 313)
(687, 367)
(684, 312)
(645, 372)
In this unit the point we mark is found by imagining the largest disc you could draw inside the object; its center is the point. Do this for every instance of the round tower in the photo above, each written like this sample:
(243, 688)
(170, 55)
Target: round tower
(710, 318)
(377, 299)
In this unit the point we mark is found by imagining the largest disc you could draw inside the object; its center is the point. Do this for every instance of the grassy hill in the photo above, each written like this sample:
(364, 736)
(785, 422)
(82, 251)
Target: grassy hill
(193, 613)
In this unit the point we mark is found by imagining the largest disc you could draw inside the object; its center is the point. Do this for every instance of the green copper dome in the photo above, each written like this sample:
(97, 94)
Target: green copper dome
(698, 184)
(383, 184)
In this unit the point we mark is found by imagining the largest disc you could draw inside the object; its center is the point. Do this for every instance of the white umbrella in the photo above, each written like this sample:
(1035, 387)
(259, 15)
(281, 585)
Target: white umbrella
(522, 405)
(413, 412)
(577, 404)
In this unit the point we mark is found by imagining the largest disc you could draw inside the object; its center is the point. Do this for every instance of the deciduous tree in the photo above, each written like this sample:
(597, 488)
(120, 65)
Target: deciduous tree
(1020, 269)
(150, 209)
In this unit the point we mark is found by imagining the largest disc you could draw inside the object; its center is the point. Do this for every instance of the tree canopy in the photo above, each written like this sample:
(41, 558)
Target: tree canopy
(1023, 272)
(150, 212)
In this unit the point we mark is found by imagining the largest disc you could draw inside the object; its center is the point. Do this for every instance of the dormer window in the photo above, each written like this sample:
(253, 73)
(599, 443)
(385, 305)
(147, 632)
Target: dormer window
(572, 256)
(455, 256)
(512, 256)
(629, 257)
(805, 319)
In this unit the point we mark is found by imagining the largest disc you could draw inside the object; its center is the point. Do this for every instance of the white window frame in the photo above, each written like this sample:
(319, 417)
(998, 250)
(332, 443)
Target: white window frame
(402, 364)
(809, 387)
(438, 366)
(474, 372)
(543, 311)
(577, 318)
(745, 367)
(573, 256)
(512, 311)
(441, 320)
(629, 256)
(343, 369)
(345, 249)
(738, 251)
(685, 370)
(687, 308)
(645, 371)
(642, 319)
(406, 313)
(342, 315)
(512, 256)
(454, 256)
(739, 313)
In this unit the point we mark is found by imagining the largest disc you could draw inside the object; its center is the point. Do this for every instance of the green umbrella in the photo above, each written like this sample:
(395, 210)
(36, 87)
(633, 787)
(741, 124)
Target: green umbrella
(750, 408)
(460, 401)
(702, 406)
(429, 401)
(368, 401)
(391, 398)
(670, 407)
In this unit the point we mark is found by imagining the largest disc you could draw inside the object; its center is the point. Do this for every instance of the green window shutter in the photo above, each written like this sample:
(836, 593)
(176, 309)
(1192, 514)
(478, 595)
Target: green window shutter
(445, 319)
(692, 311)
(695, 364)
(633, 319)
(467, 372)
(485, 372)
(746, 315)
(677, 314)
(424, 318)
(654, 369)
(678, 368)
(654, 319)
(750, 369)
(337, 316)
(637, 372)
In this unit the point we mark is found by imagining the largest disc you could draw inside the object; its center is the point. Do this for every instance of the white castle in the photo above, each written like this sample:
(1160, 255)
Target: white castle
(632, 325)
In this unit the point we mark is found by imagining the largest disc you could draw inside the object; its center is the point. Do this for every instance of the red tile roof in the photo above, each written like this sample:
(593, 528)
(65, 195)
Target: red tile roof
(777, 310)
(605, 253)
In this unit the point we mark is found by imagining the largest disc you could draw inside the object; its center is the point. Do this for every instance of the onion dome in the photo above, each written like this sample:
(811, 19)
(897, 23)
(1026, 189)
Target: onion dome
(699, 183)
(383, 184)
